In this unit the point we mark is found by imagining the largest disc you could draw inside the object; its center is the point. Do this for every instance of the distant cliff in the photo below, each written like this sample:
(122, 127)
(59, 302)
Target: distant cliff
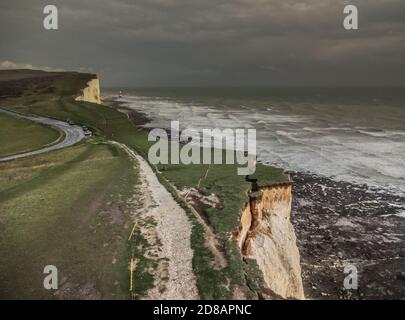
(91, 93)
(267, 236)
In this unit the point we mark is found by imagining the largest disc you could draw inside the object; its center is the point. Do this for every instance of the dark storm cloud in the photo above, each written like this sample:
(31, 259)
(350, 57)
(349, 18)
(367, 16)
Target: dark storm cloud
(211, 42)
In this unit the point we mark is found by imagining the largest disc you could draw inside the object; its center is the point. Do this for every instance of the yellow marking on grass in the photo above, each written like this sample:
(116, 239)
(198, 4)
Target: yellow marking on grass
(206, 172)
(205, 176)
(132, 271)
(132, 232)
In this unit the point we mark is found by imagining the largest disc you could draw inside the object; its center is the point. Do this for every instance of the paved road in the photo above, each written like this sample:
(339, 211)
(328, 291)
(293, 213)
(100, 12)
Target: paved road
(73, 134)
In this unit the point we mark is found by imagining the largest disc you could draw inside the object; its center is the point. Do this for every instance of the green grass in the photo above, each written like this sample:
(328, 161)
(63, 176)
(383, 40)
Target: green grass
(66, 208)
(19, 135)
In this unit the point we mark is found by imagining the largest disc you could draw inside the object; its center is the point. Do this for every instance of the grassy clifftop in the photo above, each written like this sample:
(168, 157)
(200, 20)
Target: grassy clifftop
(51, 95)
(33, 85)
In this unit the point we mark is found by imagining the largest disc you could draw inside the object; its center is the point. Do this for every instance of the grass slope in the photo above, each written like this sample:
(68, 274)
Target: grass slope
(19, 135)
(66, 208)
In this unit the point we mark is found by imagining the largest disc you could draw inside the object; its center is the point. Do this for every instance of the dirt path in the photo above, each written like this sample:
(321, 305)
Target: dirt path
(72, 134)
(175, 278)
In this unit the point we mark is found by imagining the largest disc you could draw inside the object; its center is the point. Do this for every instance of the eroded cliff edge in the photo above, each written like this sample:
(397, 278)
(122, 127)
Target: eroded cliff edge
(267, 236)
(90, 93)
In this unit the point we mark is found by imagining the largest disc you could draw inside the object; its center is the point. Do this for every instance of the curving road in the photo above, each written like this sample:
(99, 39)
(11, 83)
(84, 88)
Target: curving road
(73, 134)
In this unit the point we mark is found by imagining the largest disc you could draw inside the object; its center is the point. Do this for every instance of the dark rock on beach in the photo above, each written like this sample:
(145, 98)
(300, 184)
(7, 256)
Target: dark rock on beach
(339, 224)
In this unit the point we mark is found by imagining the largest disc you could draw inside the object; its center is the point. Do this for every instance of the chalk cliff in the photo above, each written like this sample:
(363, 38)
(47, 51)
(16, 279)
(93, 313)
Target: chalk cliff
(267, 236)
(91, 93)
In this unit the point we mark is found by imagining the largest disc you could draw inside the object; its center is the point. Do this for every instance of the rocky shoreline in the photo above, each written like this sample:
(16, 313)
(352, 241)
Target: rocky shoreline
(339, 223)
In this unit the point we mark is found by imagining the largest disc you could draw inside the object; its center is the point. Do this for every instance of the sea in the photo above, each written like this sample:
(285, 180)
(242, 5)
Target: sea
(355, 135)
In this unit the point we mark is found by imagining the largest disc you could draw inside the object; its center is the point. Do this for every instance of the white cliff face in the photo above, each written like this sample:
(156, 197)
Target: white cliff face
(267, 235)
(91, 93)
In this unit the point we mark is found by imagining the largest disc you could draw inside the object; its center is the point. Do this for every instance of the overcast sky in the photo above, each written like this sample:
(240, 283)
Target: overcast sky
(210, 42)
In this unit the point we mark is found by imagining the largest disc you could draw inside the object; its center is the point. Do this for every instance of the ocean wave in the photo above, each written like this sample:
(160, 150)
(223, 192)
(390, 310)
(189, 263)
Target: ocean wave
(379, 133)
(309, 142)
